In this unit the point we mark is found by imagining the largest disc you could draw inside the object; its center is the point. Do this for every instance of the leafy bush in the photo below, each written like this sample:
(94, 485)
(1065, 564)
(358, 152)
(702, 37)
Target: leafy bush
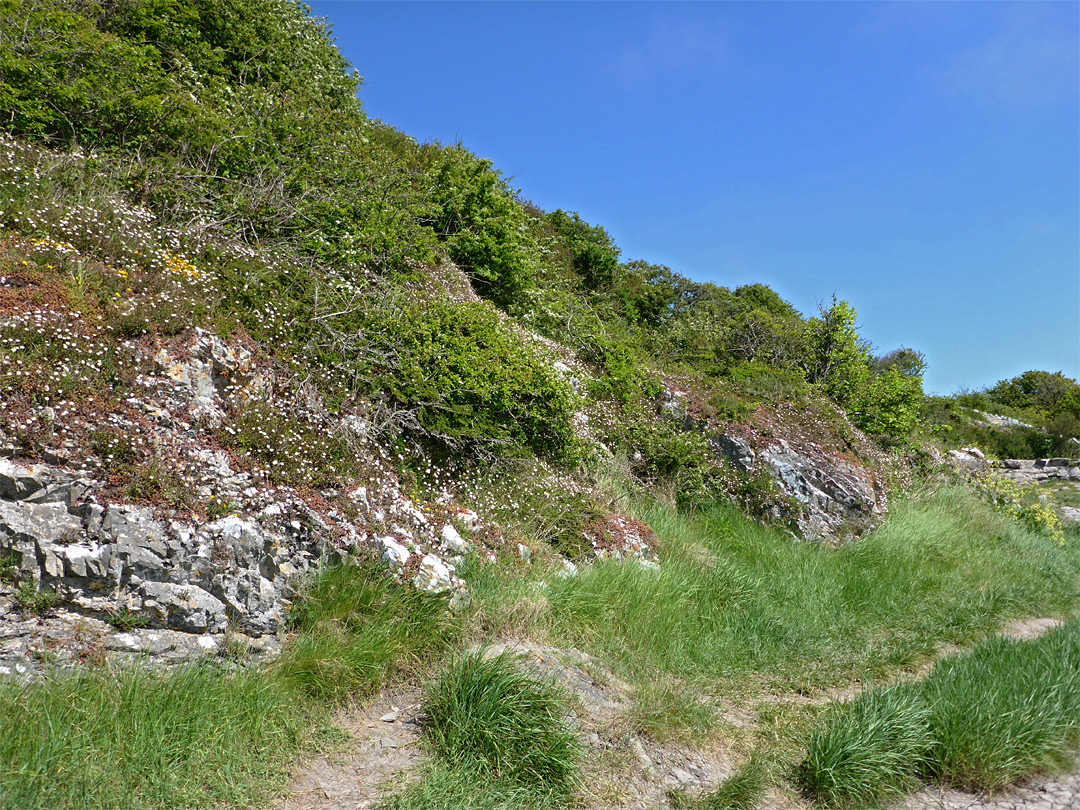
(472, 381)
(1020, 502)
(1041, 392)
(587, 249)
(481, 224)
(882, 396)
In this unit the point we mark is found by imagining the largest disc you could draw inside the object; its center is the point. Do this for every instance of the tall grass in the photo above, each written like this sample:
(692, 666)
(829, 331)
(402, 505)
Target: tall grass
(357, 629)
(197, 737)
(869, 750)
(980, 721)
(1007, 710)
(736, 601)
(485, 716)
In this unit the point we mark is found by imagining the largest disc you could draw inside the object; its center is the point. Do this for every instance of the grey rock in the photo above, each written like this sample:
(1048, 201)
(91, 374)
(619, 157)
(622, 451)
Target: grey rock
(183, 607)
(683, 777)
(831, 495)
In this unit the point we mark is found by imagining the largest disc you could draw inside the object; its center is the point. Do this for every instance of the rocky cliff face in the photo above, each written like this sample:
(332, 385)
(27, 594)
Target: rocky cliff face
(120, 578)
(231, 563)
(832, 492)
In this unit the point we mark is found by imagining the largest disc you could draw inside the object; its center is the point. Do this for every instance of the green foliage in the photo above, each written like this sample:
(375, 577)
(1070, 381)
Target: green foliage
(1045, 393)
(482, 226)
(485, 715)
(733, 600)
(154, 482)
(982, 720)
(290, 445)
(1022, 503)
(126, 620)
(882, 396)
(869, 750)
(193, 737)
(357, 629)
(654, 295)
(953, 422)
(587, 249)
(473, 381)
(35, 599)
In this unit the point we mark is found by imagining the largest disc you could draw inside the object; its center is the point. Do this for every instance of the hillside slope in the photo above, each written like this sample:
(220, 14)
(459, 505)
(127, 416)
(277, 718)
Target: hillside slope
(285, 392)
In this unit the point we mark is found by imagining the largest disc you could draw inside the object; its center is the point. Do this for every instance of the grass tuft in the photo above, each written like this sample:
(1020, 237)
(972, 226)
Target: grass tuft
(869, 750)
(983, 720)
(486, 716)
(359, 629)
(1007, 710)
(743, 790)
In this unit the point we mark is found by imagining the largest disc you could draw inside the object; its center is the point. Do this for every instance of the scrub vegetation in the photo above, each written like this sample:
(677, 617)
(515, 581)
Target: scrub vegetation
(168, 165)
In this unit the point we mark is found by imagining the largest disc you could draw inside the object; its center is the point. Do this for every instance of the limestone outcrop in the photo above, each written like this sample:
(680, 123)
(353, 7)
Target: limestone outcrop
(833, 494)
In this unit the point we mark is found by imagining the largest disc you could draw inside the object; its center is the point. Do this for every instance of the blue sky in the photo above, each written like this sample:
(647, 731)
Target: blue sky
(918, 159)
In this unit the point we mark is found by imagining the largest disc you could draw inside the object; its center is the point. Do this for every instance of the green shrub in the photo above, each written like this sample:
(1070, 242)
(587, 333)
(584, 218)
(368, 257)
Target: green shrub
(882, 396)
(481, 224)
(484, 714)
(35, 599)
(587, 249)
(869, 750)
(472, 381)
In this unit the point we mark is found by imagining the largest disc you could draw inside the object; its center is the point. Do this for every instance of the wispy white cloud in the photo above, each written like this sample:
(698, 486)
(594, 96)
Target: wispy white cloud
(1030, 61)
(671, 49)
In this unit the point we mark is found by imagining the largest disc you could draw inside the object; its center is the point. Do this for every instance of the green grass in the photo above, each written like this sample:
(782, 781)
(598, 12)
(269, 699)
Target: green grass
(197, 737)
(869, 750)
(742, 790)
(1007, 710)
(982, 720)
(485, 716)
(457, 788)
(669, 712)
(358, 629)
(1061, 493)
(734, 601)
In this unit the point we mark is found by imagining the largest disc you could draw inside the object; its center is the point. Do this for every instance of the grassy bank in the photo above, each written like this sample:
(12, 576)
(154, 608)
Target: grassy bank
(735, 611)
(983, 720)
(739, 606)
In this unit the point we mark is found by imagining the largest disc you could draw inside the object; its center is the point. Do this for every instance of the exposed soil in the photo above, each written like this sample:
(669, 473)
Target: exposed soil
(382, 754)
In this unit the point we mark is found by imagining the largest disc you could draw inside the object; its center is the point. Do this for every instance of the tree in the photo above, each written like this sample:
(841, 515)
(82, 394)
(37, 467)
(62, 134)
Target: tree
(882, 395)
(588, 249)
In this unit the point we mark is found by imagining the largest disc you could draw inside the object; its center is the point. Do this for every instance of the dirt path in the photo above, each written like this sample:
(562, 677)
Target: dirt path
(382, 753)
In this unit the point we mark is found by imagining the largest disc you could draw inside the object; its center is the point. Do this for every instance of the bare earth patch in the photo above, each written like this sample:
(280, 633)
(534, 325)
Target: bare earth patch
(381, 755)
